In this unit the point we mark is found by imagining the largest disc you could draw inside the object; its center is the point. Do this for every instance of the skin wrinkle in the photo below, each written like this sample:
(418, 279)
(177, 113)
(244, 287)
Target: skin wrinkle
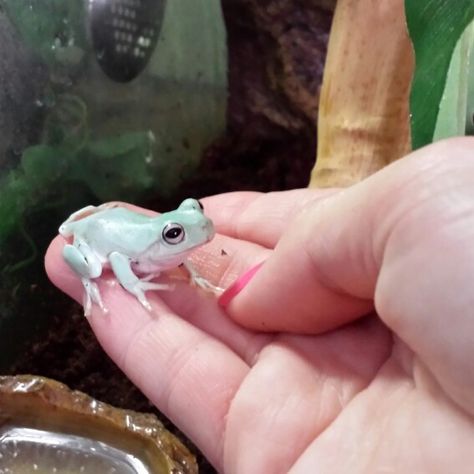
(310, 435)
(425, 380)
(179, 366)
(416, 185)
(318, 272)
(284, 346)
(412, 425)
(378, 446)
(369, 261)
(189, 306)
(241, 224)
(141, 340)
(379, 295)
(296, 209)
(244, 213)
(322, 429)
(403, 355)
(325, 380)
(384, 307)
(225, 440)
(361, 325)
(382, 222)
(330, 386)
(321, 252)
(293, 344)
(245, 343)
(238, 228)
(222, 440)
(354, 400)
(124, 357)
(421, 446)
(387, 420)
(252, 353)
(423, 186)
(402, 220)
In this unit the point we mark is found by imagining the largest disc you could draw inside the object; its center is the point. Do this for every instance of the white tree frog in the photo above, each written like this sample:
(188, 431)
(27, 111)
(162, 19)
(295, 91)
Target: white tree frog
(131, 244)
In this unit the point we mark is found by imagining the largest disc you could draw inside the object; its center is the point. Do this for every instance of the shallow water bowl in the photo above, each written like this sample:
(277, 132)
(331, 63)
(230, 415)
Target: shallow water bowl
(47, 428)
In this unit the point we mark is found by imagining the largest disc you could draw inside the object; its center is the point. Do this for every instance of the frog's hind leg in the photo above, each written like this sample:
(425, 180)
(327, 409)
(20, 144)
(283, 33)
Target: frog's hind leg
(86, 264)
(65, 229)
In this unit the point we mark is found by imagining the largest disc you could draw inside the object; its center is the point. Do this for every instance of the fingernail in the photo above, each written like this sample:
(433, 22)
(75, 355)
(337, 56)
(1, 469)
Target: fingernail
(234, 289)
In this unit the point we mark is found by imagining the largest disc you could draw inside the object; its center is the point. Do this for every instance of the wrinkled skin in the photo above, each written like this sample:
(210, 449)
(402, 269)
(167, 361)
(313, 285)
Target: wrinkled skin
(334, 388)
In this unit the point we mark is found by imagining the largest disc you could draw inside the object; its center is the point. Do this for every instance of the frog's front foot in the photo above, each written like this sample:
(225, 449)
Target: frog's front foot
(200, 281)
(140, 286)
(121, 267)
(91, 295)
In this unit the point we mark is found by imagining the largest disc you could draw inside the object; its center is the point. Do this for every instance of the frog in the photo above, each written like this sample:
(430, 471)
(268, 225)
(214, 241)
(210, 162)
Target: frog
(136, 247)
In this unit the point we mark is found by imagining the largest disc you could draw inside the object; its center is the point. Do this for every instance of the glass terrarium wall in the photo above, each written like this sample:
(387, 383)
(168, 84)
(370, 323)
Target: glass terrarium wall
(99, 101)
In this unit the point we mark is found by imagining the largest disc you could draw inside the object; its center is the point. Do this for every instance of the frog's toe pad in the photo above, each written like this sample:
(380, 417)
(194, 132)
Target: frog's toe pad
(139, 288)
(92, 295)
(201, 282)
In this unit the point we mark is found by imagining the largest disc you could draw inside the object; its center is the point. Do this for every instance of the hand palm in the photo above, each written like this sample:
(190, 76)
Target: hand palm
(355, 399)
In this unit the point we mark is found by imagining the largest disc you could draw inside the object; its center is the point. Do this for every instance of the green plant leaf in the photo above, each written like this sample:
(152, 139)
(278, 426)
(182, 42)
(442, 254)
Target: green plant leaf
(54, 29)
(115, 167)
(470, 93)
(452, 116)
(104, 140)
(435, 27)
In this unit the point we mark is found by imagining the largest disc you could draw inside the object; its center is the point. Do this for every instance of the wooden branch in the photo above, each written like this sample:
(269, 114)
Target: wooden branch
(364, 106)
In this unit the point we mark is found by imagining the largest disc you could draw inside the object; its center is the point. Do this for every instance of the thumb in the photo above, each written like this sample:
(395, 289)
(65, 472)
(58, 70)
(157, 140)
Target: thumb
(325, 269)
(306, 284)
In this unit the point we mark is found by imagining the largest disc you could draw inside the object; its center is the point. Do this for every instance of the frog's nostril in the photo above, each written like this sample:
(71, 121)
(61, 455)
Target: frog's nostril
(201, 206)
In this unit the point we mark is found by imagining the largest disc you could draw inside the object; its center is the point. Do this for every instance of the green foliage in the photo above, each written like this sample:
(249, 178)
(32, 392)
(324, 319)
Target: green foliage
(116, 141)
(451, 120)
(115, 166)
(435, 27)
(97, 165)
(470, 92)
(52, 28)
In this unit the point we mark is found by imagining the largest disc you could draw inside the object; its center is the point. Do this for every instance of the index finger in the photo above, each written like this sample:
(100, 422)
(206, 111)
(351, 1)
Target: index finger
(260, 218)
(186, 372)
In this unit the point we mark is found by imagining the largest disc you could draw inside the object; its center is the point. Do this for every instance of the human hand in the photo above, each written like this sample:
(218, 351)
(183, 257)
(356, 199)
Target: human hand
(393, 393)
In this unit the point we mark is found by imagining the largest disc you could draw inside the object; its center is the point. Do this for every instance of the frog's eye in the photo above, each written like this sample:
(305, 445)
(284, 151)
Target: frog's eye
(201, 206)
(173, 233)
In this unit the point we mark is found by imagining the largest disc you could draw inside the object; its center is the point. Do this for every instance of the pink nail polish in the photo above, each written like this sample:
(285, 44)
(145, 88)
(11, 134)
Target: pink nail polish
(234, 289)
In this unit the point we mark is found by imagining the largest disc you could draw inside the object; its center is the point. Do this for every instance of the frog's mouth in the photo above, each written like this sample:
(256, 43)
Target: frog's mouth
(209, 229)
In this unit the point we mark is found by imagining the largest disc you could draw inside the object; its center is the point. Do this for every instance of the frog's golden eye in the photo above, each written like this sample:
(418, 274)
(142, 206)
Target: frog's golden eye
(173, 233)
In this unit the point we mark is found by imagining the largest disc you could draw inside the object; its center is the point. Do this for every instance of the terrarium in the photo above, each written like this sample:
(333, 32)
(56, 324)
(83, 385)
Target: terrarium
(100, 101)
(144, 101)
(151, 102)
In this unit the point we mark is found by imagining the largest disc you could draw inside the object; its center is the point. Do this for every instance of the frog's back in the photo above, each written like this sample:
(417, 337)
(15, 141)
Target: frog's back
(109, 230)
(92, 218)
